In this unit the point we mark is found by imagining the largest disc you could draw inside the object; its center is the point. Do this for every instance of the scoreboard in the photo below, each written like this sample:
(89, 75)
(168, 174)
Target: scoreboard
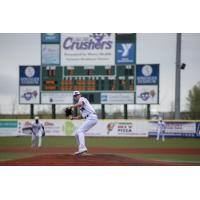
(93, 63)
(102, 66)
(90, 80)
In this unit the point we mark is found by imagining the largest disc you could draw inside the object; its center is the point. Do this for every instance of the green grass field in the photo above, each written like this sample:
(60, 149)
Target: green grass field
(104, 142)
(109, 142)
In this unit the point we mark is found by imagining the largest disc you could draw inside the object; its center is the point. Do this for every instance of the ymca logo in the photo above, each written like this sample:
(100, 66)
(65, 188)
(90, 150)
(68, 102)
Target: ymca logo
(125, 49)
(125, 53)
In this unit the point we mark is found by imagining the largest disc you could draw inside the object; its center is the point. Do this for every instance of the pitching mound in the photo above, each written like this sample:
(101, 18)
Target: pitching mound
(82, 160)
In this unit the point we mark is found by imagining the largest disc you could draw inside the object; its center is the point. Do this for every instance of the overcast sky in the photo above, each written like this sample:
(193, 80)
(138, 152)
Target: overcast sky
(24, 49)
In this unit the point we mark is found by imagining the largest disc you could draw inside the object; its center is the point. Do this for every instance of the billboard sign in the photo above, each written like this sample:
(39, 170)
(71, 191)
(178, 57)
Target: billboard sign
(117, 98)
(29, 95)
(8, 127)
(198, 129)
(52, 127)
(50, 54)
(147, 84)
(147, 74)
(56, 98)
(29, 75)
(88, 49)
(50, 38)
(125, 53)
(120, 128)
(175, 129)
(147, 94)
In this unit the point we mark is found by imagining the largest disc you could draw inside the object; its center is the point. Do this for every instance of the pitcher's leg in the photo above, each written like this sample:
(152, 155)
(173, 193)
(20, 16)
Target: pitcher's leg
(80, 139)
(82, 146)
(77, 139)
(81, 134)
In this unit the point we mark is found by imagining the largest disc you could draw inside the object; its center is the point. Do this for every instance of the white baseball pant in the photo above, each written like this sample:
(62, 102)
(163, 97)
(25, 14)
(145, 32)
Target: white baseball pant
(80, 133)
(39, 135)
(160, 132)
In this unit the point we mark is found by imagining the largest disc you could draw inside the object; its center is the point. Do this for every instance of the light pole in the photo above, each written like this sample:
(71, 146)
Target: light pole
(178, 75)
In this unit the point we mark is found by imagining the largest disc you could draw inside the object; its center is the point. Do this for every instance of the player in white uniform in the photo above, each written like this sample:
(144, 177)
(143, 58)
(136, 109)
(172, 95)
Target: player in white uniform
(37, 130)
(161, 129)
(87, 113)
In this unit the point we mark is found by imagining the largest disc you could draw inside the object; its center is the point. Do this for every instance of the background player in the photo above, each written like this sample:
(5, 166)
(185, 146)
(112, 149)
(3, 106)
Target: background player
(161, 129)
(37, 130)
(87, 113)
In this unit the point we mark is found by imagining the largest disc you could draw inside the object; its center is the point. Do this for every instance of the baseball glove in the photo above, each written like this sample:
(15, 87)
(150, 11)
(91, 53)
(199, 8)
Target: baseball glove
(43, 133)
(68, 112)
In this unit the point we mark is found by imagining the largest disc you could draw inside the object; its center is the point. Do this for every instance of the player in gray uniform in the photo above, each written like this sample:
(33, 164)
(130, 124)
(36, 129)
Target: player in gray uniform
(87, 113)
(161, 129)
(37, 130)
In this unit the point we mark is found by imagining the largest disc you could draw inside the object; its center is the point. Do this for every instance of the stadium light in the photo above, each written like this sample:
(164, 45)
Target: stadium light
(183, 66)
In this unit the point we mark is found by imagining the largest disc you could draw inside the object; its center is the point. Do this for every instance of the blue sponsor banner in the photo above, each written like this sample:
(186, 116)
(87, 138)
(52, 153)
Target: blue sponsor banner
(29, 75)
(50, 38)
(8, 124)
(175, 129)
(125, 53)
(147, 74)
(198, 129)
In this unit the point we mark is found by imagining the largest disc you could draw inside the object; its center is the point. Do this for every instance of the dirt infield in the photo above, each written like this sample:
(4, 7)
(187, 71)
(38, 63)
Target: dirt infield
(96, 157)
(54, 150)
(83, 160)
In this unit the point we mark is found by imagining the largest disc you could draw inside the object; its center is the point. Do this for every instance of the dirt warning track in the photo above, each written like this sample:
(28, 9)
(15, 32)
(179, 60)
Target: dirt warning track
(174, 151)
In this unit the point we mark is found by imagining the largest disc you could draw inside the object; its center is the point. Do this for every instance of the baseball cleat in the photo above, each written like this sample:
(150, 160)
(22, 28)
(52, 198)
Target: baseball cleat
(80, 152)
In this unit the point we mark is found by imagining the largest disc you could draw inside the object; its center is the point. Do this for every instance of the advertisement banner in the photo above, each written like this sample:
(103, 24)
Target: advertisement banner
(50, 54)
(50, 38)
(117, 98)
(103, 128)
(118, 128)
(29, 75)
(52, 127)
(198, 129)
(175, 129)
(122, 128)
(147, 74)
(88, 49)
(56, 98)
(125, 53)
(29, 95)
(147, 94)
(8, 127)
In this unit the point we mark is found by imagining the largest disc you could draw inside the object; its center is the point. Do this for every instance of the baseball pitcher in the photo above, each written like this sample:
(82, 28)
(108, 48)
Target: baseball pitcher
(87, 113)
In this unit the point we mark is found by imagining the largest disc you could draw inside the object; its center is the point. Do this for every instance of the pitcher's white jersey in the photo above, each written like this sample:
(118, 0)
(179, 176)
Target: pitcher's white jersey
(86, 108)
(37, 127)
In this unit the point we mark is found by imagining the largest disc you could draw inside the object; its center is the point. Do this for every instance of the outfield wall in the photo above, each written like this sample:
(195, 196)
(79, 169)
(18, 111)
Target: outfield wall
(176, 128)
(119, 128)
